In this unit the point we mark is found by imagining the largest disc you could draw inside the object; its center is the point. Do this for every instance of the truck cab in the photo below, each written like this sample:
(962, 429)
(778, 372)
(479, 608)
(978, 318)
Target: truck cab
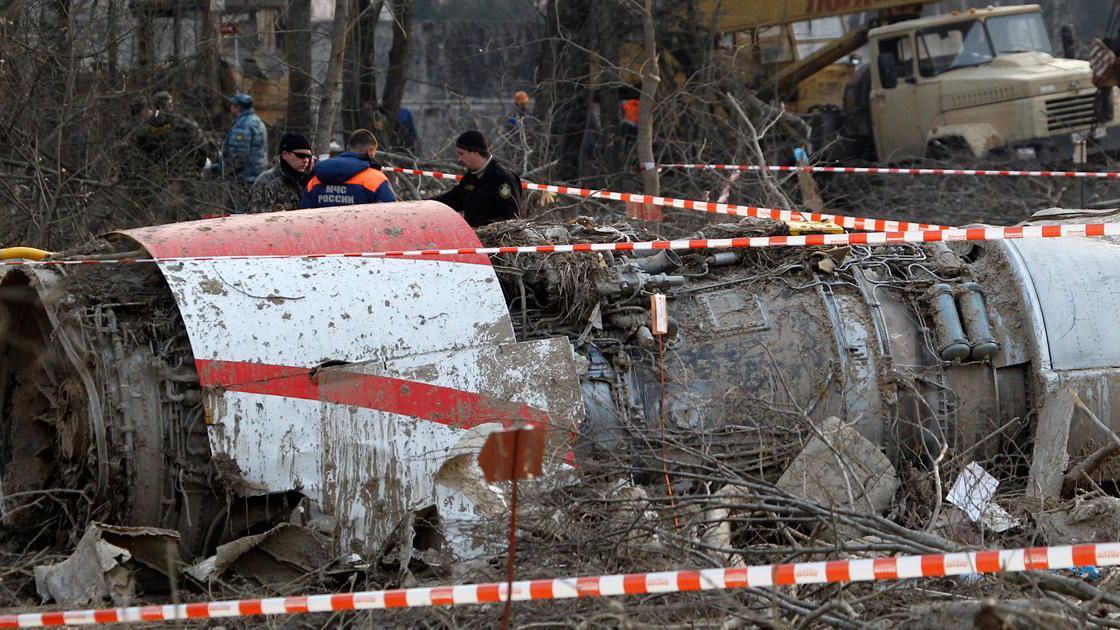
(983, 81)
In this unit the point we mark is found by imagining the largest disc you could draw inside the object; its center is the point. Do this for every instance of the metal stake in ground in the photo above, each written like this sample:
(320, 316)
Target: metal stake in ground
(509, 455)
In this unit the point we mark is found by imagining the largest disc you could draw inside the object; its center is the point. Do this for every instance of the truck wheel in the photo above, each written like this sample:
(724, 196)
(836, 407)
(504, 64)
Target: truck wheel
(949, 149)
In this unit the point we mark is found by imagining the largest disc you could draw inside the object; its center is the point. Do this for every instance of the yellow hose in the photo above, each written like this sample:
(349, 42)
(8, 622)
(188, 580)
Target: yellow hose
(30, 253)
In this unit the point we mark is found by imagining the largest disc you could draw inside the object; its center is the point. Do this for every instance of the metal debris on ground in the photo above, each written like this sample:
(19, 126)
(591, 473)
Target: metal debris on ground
(806, 404)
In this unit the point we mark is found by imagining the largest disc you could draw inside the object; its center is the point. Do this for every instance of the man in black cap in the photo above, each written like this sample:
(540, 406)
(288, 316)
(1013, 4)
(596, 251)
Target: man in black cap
(280, 187)
(488, 192)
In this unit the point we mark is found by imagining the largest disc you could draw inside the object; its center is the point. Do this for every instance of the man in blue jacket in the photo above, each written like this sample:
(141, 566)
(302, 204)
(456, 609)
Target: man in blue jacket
(244, 152)
(352, 177)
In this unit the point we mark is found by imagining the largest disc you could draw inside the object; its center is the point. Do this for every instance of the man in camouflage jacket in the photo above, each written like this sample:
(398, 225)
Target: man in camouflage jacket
(280, 187)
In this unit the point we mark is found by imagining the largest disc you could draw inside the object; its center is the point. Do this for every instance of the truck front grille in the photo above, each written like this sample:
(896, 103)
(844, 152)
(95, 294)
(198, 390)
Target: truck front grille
(1070, 112)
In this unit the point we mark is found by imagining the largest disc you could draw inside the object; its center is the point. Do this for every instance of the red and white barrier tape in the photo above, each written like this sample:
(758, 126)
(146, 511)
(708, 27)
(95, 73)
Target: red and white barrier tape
(754, 242)
(873, 170)
(838, 571)
(851, 223)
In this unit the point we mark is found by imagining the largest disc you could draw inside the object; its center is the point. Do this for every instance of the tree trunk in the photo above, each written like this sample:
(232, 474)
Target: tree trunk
(359, 91)
(297, 42)
(327, 100)
(650, 81)
(210, 53)
(396, 77)
(111, 49)
(565, 93)
(610, 80)
(145, 47)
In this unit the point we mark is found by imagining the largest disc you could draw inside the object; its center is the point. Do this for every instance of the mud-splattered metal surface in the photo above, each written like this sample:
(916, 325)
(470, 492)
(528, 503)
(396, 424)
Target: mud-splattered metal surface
(431, 341)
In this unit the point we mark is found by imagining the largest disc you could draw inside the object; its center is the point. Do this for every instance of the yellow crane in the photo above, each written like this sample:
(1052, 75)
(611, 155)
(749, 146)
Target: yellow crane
(795, 44)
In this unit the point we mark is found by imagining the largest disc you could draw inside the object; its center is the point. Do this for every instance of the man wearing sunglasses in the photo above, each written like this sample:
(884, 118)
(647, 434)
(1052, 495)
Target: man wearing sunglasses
(280, 187)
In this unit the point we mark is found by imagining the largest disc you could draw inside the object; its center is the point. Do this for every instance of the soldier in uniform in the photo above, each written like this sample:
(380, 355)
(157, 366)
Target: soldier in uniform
(280, 187)
(244, 153)
(172, 140)
(488, 192)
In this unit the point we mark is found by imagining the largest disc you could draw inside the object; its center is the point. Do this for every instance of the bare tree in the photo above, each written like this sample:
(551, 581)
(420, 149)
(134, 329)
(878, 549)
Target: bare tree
(327, 101)
(395, 77)
(359, 91)
(297, 44)
(650, 80)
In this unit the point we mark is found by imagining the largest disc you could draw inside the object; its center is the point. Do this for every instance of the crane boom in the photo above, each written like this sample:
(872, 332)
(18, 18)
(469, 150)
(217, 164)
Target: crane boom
(740, 15)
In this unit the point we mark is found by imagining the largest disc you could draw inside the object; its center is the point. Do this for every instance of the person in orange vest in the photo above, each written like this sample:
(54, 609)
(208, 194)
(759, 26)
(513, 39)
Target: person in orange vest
(352, 177)
(631, 107)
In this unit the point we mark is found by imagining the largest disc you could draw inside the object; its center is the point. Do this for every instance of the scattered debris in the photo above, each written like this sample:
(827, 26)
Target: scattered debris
(282, 558)
(973, 492)
(840, 468)
(1091, 520)
(112, 562)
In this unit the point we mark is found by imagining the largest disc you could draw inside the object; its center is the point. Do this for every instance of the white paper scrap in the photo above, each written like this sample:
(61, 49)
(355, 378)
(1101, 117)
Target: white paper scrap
(973, 490)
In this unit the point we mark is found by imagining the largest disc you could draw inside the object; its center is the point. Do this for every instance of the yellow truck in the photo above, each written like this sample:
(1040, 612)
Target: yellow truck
(981, 81)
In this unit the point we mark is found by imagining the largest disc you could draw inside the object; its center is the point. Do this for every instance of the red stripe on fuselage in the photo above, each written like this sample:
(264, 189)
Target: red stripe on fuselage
(444, 405)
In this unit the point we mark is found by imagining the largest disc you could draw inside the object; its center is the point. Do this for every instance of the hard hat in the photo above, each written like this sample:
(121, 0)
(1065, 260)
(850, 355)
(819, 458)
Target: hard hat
(242, 100)
(520, 97)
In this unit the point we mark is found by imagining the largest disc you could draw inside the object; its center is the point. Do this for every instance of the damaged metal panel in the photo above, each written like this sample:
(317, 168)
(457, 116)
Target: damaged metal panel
(383, 462)
(254, 350)
(430, 341)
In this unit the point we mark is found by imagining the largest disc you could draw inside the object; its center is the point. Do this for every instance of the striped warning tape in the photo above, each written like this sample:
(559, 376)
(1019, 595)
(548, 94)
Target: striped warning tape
(851, 223)
(754, 242)
(873, 170)
(837, 571)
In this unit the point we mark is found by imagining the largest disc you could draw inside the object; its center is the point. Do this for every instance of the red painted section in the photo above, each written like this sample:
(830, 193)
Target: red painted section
(688, 580)
(369, 228)
(634, 584)
(489, 593)
(933, 565)
(443, 596)
(587, 587)
(540, 589)
(1084, 555)
(396, 599)
(295, 605)
(838, 571)
(1037, 558)
(342, 601)
(885, 568)
(784, 574)
(250, 607)
(988, 562)
(736, 578)
(445, 405)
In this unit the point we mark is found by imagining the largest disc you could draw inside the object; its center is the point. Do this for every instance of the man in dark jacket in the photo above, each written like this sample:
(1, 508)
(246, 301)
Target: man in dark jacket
(352, 177)
(280, 187)
(488, 192)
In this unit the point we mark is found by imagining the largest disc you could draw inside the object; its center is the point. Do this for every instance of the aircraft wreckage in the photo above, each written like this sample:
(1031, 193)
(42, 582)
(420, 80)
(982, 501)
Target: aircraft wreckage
(217, 398)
